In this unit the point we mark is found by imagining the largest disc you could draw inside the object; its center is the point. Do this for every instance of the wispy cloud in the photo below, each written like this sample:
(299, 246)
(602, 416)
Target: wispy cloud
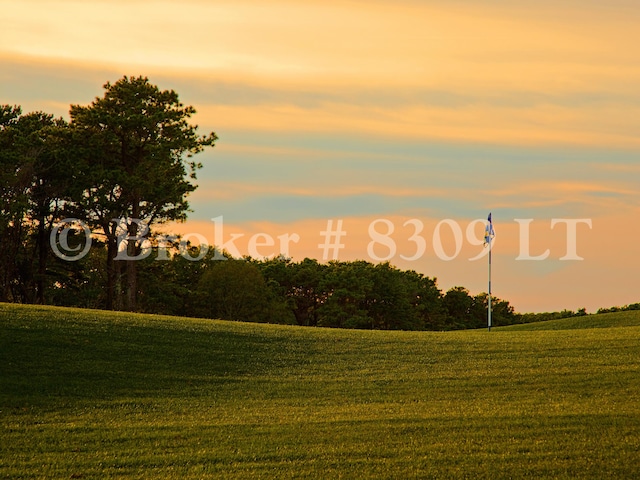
(477, 123)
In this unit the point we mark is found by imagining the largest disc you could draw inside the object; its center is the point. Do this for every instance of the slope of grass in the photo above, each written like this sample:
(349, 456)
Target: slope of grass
(89, 394)
(629, 318)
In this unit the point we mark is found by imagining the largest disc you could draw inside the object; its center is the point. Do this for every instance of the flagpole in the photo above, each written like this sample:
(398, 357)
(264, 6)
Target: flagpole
(489, 234)
(489, 309)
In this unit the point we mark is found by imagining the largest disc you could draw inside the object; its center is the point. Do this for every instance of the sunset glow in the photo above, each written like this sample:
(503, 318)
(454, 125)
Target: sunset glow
(360, 111)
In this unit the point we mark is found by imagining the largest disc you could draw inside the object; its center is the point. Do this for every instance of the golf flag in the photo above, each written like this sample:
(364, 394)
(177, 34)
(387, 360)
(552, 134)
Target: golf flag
(488, 232)
(488, 236)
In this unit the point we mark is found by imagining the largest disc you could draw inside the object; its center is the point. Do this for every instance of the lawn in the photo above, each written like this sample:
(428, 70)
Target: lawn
(92, 394)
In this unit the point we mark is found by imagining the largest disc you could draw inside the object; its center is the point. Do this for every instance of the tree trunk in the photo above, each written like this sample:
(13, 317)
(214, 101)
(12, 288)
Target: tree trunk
(132, 268)
(133, 248)
(112, 267)
(43, 251)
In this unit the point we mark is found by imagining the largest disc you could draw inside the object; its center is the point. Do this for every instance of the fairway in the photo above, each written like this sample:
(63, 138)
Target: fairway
(93, 394)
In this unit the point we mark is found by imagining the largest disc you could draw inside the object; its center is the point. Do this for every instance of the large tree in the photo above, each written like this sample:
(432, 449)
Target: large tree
(136, 145)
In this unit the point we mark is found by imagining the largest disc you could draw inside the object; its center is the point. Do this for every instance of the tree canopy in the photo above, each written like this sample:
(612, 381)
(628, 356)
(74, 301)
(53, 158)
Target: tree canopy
(136, 149)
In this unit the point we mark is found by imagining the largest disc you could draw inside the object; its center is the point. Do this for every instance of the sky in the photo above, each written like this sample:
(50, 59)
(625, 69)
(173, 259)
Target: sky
(401, 123)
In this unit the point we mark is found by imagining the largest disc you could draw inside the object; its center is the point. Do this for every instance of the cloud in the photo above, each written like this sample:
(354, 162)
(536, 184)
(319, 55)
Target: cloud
(406, 44)
(302, 176)
(477, 123)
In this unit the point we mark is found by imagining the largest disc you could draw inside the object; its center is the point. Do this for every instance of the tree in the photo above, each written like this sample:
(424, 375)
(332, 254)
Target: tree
(458, 304)
(47, 168)
(36, 183)
(427, 299)
(79, 283)
(355, 294)
(235, 290)
(298, 284)
(394, 298)
(12, 201)
(347, 287)
(169, 286)
(136, 147)
(502, 313)
(407, 300)
(303, 286)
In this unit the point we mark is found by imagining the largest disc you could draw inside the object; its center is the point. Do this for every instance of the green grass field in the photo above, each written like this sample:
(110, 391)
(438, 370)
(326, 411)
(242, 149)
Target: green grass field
(91, 394)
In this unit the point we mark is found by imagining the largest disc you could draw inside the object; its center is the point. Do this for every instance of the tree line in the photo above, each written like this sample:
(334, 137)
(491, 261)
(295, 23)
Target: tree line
(125, 163)
(356, 294)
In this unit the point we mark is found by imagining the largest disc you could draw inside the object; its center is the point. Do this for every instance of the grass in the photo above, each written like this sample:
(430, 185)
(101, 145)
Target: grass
(91, 394)
(629, 318)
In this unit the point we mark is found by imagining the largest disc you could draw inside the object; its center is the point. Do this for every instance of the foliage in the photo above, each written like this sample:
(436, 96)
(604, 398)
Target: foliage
(625, 308)
(122, 164)
(620, 318)
(235, 289)
(466, 311)
(356, 294)
(545, 316)
(135, 147)
(34, 174)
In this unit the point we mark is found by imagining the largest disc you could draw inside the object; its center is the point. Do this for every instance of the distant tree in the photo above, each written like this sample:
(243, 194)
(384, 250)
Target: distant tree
(393, 298)
(170, 286)
(360, 294)
(277, 274)
(274, 271)
(502, 313)
(135, 146)
(347, 287)
(388, 301)
(235, 290)
(301, 284)
(425, 299)
(355, 294)
(458, 304)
